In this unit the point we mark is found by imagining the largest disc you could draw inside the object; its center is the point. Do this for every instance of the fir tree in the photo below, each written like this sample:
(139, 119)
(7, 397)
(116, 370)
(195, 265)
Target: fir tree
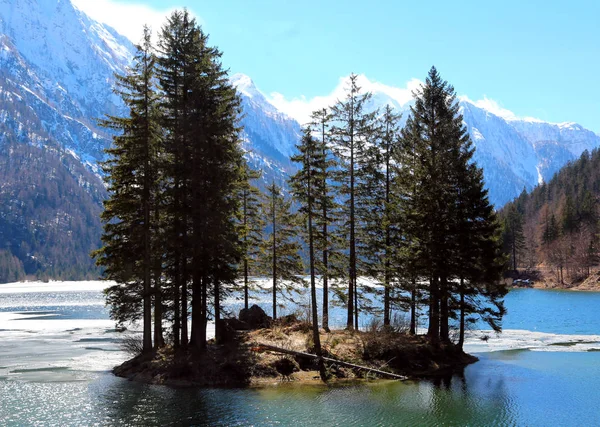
(440, 207)
(205, 163)
(305, 186)
(281, 249)
(513, 238)
(324, 199)
(252, 225)
(381, 233)
(353, 128)
(132, 179)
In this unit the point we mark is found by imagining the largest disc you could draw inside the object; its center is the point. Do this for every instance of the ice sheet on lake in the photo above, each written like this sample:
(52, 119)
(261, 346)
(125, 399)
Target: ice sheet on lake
(516, 339)
(54, 286)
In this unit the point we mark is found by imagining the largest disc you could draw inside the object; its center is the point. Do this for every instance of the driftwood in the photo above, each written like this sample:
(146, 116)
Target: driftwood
(330, 360)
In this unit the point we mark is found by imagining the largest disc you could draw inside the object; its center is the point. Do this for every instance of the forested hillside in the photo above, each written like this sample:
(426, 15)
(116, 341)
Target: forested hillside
(555, 227)
(46, 198)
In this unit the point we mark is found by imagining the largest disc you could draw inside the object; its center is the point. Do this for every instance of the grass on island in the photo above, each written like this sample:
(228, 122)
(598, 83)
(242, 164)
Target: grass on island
(242, 362)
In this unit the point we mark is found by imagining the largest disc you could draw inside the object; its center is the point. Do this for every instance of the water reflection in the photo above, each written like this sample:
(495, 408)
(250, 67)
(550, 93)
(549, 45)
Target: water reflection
(458, 399)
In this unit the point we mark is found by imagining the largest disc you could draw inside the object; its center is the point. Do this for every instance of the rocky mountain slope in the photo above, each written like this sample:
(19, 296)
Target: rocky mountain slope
(57, 70)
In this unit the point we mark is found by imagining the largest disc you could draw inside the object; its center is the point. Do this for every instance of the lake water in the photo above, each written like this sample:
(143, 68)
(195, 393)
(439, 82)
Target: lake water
(57, 347)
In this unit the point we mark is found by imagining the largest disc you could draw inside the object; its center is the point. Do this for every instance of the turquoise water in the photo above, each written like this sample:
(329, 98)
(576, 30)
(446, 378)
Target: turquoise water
(54, 362)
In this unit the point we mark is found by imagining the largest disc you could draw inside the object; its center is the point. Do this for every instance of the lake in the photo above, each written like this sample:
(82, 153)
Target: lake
(57, 346)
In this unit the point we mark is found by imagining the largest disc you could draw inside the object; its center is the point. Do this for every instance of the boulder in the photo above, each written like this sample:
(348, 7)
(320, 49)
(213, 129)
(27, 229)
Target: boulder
(255, 317)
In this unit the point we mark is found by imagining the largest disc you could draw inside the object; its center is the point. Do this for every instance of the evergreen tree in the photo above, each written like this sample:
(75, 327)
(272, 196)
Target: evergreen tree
(252, 225)
(281, 249)
(380, 231)
(513, 238)
(305, 186)
(131, 177)
(440, 207)
(353, 128)
(326, 241)
(206, 163)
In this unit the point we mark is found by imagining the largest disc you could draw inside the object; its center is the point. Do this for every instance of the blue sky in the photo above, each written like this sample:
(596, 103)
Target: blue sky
(535, 58)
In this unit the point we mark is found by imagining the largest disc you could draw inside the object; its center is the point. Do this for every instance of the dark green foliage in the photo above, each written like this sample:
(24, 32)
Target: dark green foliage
(380, 234)
(306, 184)
(11, 267)
(281, 249)
(513, 240)
(49, 211)
(450, 230)
(352, 131)
(332, 261)
(131, 175)
(252, 224)
(175, 174)
(562, 215)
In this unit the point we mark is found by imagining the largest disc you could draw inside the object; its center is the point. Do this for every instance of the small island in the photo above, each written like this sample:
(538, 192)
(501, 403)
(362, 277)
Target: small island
(262, 352)
(382, 218)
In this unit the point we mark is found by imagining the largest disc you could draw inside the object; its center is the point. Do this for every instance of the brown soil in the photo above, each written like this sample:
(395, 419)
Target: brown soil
(242, 363)
(591, 284)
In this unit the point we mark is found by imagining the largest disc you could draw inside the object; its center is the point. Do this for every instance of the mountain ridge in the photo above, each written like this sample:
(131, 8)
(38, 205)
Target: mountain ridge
(57, 70)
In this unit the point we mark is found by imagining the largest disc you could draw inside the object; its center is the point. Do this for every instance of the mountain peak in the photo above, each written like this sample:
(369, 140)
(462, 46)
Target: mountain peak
(244, 84)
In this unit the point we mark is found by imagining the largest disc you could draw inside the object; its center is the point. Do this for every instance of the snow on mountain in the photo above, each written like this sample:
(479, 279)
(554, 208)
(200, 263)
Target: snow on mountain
(61, 64)
(57, 73)
(517, 153)
(269, 135)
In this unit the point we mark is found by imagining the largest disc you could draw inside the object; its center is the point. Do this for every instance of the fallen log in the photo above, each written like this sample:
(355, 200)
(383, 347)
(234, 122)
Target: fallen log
(330, 360)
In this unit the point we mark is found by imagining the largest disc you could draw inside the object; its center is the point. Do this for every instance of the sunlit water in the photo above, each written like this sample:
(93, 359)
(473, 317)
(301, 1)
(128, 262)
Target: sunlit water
(57, 347)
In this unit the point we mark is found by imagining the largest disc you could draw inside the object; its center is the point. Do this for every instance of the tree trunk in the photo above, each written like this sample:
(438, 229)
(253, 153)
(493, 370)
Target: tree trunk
(352, 266)
(313, 287)
(325, 273)
(196, 309)
(159, 340)
(387, 273)
(413, 308)
(444, 310)
(355, 304)
(203, 311)
(461, 332)
(434, 312)
(184, 303)
(274, 257)
(246, 250)
(218, 331)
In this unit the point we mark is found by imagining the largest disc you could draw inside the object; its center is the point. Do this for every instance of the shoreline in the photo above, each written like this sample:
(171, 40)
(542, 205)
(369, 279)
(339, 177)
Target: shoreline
(242, 363)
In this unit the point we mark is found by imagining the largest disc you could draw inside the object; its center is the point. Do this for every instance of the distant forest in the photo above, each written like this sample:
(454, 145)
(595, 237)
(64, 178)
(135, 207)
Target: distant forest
(555, 228)
(49, 213)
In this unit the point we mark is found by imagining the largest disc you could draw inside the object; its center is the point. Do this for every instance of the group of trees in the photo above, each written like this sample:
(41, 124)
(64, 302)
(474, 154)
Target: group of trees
(556, 226)
(175, 173)
(186, 225)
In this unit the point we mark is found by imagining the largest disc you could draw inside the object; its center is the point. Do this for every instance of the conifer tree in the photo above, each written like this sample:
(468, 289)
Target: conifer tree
(513, 239)
(326, 240)
(377, 206)
(281, 249)
(305, 186)
(132, 179)
(252, 225)
(201, 119)
(353, 128)
(440, 208)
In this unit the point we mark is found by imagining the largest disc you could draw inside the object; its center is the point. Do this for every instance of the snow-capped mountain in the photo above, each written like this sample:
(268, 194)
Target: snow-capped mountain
(269, 135)
(522, 153)
(59, 62)
(57, 70)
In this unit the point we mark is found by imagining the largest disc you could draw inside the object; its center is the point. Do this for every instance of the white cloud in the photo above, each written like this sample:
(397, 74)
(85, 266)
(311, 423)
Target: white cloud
(128, 18)
(494, 107)
(301, 108)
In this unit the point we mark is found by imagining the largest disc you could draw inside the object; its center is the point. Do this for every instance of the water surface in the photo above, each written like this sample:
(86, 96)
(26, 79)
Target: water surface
(56, 350)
